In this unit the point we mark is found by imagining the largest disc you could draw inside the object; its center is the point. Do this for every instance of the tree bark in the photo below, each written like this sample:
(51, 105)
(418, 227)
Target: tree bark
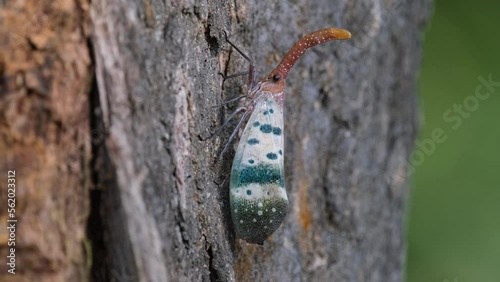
(45, 77)
(153, 190)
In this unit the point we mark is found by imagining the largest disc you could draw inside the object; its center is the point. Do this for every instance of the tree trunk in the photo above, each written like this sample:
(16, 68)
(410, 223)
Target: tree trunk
(45, 78)
(152, 195)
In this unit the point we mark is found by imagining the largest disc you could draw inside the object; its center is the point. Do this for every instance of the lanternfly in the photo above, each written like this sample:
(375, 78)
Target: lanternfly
(257, 194)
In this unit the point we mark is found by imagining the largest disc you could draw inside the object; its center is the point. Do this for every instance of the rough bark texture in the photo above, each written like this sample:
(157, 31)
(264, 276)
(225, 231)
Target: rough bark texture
(160, 210)
(45, 77)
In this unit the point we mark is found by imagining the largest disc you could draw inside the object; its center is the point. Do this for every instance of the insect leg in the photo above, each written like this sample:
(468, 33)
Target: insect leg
(224, 77)
(230, 101)
(236, 48)
(218, 130)
(252, 72)
(233, 75)
(240, 123)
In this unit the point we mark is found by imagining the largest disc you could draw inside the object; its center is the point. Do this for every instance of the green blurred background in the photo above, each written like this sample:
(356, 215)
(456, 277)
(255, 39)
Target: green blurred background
(454, 217)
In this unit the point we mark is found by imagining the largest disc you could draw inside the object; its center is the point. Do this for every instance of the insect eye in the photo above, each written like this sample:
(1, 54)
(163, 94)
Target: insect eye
(276, 77)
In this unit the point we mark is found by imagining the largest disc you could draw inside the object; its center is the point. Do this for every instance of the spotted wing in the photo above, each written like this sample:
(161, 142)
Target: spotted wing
(257, 189)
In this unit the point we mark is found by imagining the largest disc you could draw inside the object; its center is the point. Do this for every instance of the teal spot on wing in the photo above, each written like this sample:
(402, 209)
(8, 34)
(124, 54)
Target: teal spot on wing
(276, 131)
(266, 128)
(256, 123)
(253, 141)
(261, 173)
(271, 156)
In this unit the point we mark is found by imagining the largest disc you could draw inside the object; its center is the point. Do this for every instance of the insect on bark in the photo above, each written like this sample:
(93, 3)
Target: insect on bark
(258, 198)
